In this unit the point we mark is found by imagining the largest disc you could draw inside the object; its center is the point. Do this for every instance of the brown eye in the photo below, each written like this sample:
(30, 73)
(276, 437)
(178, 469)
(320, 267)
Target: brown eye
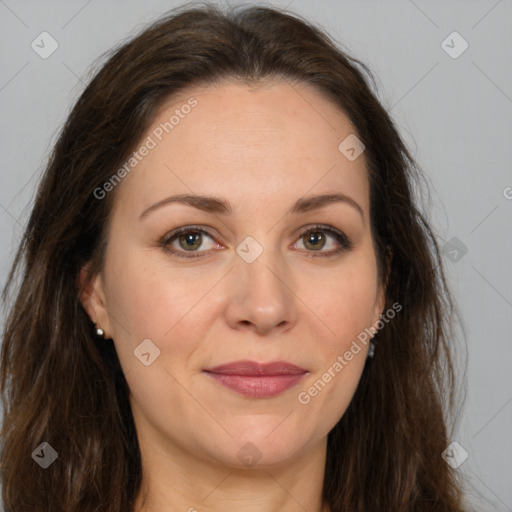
(324, 237)
(187, 242)
(315, 240)
(190, 241)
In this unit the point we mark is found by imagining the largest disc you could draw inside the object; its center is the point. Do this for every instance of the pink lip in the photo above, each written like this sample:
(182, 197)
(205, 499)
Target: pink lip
(259, 380)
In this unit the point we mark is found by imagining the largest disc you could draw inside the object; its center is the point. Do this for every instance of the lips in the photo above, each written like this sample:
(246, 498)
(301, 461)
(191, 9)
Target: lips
(257, 369)
(258, 380)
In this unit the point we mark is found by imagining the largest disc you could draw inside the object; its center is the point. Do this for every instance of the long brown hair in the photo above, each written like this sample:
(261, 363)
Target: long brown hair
(60, 386)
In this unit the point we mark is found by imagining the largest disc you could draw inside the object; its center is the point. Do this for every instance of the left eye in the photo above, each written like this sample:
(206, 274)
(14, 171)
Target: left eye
(317, 237)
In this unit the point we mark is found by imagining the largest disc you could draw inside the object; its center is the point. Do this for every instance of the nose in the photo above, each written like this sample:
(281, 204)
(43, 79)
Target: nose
(261, 297)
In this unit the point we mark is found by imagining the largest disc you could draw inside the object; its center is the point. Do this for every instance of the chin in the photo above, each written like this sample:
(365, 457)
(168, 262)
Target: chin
(261, 448)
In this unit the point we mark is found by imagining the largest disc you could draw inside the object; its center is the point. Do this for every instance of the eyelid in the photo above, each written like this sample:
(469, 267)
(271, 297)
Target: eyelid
(344, 242)
(167, 238)
(342, 239)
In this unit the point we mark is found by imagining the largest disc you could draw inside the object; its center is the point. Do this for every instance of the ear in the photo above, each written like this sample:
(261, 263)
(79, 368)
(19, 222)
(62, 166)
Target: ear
(91, 293)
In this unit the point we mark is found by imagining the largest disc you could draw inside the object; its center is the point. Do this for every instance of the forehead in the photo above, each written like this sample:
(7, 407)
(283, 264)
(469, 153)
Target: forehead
(259, 145)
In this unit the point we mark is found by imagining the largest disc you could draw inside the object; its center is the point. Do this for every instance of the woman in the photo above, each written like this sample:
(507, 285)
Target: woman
(228, 298)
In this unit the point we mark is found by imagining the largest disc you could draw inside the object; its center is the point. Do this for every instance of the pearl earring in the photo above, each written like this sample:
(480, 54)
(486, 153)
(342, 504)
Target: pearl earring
(99, 331)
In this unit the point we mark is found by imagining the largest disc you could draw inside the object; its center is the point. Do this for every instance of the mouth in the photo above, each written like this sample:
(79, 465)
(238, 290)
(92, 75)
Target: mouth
(257, 380)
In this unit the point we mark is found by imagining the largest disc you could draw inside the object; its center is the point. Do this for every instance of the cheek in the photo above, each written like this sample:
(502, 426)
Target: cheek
(147, 301)
(346, 301)
(155, 304)
(346, 308)
(148, 296)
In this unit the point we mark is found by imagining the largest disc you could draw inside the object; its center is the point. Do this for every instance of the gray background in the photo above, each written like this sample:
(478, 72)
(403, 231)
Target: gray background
(454, 113)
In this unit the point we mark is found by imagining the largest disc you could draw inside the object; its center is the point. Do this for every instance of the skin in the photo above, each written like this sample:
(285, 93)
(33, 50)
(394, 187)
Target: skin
(260, 148)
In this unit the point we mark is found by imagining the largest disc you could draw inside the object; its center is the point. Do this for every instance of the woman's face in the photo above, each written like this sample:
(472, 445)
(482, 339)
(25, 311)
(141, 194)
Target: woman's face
(251, 278)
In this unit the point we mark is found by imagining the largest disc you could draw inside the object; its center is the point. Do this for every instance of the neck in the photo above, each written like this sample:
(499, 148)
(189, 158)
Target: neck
(175, 480)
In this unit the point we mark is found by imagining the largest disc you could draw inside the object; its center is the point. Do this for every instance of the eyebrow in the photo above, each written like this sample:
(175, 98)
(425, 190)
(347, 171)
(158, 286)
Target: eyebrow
(211, 204)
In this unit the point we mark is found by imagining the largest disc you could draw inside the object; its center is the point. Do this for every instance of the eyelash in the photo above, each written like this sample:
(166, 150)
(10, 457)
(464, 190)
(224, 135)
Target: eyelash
(341, 238)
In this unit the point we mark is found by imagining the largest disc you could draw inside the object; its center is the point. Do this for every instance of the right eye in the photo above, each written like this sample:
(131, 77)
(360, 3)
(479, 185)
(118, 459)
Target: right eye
(187, 239)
